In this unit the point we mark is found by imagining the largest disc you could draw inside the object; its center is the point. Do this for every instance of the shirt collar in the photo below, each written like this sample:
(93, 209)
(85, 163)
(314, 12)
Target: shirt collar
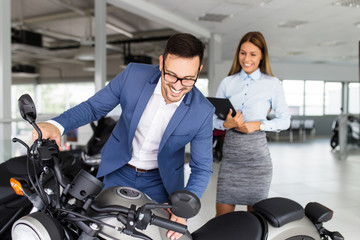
(158, 92)
(256, 75)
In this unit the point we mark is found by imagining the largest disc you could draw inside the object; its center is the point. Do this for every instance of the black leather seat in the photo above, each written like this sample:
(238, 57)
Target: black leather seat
(230, 226)
(318, 213)
(279, 211)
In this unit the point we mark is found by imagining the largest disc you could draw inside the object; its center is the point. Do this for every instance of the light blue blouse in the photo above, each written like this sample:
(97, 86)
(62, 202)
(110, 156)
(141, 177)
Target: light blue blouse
(255, 95)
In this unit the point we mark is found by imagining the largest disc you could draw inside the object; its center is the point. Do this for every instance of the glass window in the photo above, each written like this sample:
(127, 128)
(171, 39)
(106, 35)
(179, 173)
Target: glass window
(56, 98)
(354, 99)
(203, 85)
(314, 97)
(294, 95)
(19, 127)
(49, 99)
(333, 92)
(16, 91)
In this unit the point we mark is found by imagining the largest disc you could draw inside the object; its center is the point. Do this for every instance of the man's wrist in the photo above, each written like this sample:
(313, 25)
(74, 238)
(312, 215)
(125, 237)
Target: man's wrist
(58, 125)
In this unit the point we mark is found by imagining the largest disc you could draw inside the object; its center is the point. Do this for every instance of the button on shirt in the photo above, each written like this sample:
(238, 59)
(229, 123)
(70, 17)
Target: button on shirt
(255, 95)
(150, 130)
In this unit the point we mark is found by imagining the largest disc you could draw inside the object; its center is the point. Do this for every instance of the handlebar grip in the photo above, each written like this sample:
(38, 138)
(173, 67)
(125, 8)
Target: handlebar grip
(168, 224)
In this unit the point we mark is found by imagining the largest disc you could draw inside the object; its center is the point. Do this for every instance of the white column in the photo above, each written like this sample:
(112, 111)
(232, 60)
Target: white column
(5, 71)
(343, 121)
(100, 44)
(214, 61)
(343, 136)
(345, 98)
(5, 80)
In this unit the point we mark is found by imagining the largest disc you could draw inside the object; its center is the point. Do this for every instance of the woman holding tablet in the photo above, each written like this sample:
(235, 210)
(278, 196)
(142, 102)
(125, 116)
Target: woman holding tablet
(246, 168)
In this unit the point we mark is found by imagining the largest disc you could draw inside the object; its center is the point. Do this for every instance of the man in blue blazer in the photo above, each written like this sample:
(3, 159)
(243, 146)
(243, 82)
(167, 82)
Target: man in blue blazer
(162, 111)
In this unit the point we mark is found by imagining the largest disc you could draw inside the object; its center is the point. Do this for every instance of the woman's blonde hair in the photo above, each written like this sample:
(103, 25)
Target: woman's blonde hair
(258, 40)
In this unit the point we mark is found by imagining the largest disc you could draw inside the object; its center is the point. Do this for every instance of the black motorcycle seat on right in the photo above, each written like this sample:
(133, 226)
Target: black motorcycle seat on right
(230, 226)
(279, 211)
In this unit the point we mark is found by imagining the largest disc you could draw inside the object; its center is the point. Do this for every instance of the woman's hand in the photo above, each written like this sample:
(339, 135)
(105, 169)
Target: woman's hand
(234, 122)
(249, 127)
(239, 124)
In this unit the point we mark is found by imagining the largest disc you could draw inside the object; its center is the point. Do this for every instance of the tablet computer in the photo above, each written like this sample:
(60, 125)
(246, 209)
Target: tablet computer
(222, 107)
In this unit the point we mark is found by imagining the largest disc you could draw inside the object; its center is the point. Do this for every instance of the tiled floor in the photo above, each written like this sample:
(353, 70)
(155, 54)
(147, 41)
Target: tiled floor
(307, 172)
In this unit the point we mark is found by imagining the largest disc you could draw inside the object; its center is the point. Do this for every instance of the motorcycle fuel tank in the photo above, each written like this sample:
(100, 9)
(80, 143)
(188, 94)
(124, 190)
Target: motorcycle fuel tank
(126, 196)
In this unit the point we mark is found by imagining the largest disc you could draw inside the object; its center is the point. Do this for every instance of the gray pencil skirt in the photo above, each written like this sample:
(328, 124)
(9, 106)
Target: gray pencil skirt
(245, 170)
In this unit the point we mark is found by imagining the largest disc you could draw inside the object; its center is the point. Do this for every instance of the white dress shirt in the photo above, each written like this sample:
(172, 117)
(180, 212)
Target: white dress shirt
(254, 95)
(150, 130)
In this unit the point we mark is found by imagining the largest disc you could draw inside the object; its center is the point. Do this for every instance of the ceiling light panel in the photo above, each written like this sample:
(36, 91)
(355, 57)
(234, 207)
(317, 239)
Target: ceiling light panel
(347, 3)
(249, 3)
(332, 43)
(294, 53)
(212, 17)
(291, 24)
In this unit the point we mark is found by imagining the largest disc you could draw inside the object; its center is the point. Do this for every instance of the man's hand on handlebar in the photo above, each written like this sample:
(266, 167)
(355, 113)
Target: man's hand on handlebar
(171, 234)
(49, 131)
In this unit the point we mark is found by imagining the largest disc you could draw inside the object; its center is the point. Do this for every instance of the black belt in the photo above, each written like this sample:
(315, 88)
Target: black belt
(141, 170)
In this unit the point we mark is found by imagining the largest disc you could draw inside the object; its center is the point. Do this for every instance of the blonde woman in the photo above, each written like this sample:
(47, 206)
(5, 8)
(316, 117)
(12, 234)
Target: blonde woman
(246, 169)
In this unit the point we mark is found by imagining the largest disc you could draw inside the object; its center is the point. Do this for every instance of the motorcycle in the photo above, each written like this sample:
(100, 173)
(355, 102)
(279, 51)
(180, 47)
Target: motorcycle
(218, 142)
(82, 210)
(101, 133)
(353, 131)
(12, 206)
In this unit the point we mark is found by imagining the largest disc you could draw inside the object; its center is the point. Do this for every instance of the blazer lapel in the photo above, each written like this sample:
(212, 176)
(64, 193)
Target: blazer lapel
(144, 98)
(176, 118)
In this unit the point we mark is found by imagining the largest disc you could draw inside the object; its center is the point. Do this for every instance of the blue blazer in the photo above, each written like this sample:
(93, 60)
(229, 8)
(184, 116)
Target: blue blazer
(191, 122)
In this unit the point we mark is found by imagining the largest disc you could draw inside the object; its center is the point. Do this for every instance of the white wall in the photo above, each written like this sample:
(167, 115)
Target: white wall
(324, 72)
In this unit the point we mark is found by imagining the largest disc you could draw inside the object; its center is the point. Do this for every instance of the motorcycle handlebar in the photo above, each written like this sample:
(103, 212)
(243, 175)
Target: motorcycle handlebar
(155, 220)
(58, 173)
(168, 224)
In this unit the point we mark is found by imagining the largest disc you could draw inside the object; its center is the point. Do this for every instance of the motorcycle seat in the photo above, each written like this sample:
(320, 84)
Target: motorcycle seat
(279, 211)
(231, 226)
(318, 213)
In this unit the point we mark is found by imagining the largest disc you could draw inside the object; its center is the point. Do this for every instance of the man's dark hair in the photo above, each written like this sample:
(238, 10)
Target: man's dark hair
(184, 45)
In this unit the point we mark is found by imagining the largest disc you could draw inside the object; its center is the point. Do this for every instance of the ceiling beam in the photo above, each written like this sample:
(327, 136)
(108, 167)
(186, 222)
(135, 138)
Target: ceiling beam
(152, 12)
(55, 16)
(76, 12)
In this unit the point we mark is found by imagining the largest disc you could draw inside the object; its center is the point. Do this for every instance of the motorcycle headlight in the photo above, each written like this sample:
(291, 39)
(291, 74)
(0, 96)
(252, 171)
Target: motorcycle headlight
(37, 226)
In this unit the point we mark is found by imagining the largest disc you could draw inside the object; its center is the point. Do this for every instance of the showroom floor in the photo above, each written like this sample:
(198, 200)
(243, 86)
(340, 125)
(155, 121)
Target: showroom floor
(307, 172)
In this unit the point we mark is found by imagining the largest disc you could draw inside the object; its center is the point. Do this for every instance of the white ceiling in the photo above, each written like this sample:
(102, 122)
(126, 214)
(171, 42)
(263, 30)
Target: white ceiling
(327, 31)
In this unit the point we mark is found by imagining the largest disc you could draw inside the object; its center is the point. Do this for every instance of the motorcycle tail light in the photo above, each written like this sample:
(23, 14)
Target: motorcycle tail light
(16, 186)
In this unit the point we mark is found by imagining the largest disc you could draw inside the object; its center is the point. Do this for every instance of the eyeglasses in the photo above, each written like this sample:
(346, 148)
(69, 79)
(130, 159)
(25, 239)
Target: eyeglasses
(186, 82)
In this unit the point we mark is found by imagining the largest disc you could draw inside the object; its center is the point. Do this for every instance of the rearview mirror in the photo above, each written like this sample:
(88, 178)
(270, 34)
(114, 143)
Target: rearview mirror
(185, 204)
(27, 108)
